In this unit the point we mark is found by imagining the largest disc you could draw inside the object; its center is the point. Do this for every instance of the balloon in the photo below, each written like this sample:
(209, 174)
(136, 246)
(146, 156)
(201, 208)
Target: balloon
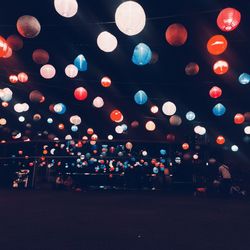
(168, 108)
(40, 56)
(220, 67)
(48, 71)
(219, 109)
(142, 54)
(81, 63)
(36, 96)
(176, 34)
(192, 69)
(106, 41)
(216, 45)
(3, 47)
(244, 78)
(215, 92)
(15, 42)
(80, 94)
(28, 26)
(239, 118)
(140, 97)
(116, 116)
(106, 82)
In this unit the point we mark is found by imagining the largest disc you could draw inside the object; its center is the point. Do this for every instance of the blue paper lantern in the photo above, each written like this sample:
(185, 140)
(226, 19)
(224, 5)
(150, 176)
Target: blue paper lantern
(140, 97)
(190, 115)
(81, 63)
(74, 128)
(219, 109)
(142, 54)
(163, 151)
(244, 78)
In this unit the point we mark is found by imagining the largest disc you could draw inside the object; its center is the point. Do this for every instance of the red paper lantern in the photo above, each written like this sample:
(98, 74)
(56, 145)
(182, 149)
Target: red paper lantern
(22, 77)
(215, 92)
(90, 131)
(106, 82)
(15, 42)
(185, 146)
(3, 47)
(13, 78)
(220, 140)
(239, 118)
(228, 19)
(80, 94)
(116, 116)
(61, 126)
(220, 67)
(176, 34)
(216, 45)
(40, 56)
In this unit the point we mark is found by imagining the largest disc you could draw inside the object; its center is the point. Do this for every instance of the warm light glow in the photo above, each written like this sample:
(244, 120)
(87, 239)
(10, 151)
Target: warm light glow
(215, 92)
(169, 108)
(106, 41)
(28, 26)
(150, 126)
(216, 45)
(48, 71)
(66, 8)
(220, 67)
(71, 71)
(220, 140)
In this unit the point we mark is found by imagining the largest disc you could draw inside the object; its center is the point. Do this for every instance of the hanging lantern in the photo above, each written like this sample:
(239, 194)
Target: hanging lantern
(244, 78)
(247, 130)
(129, 145)
(15, 42)
(142, 54)
(176, 34)
(9, 53)
(36, 96)
(239, 118)
(220, 140)
(28, 26)
(140, 97)
(13, 79)
(90, 131)
(220, 67)
(48, 71)
(61, 126)
(190, 115)
(37, 117)
(3, 47)
(81, 63)
(40, 56)
(192, 69)
(66, 8)
(150, 126)
(235, 148)
(130, 18)
(175, 120)
(154, 109)
(228, 19)
(106, 41)
(22, 77)
(71, 71)
(216, 45)
(134, 124)
(60, 108)
(116, 116)
(75, 120)
(74, 128)
(80, 94)
(215, 92)
(98, 102)
(219, 109)
(106, 82)
(185, 146)
(168, 108)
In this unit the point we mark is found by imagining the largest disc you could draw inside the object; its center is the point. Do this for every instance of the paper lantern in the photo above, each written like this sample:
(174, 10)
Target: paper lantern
(71, 71)
(140, 97)
(190, 115)
(220, 67)
(116, 116)
(18, 108)
(61, 126)
(6, 94)
(75, 120)
(247, 130)
(21, 119)
(154, 58)
(22, 77)
(199, 130)
(130, 18)
(129, 145)
(25, 107)
(5, 104)
(81, 63)
(134, 124)
(28, 26)
(90, 131)
(124, 127)
(216, 45)
(3, 121)
(3, 47)
(150, 126)
(49, 120)
(154, 109)
(228, 19)
(142, 54)
(169, 108)
(118, 129)
(48, 71)
(37, 117)
(80, 94)
(185, 146)
(106, 82)
(215, 92)
(106, 41)
(40, 56)
(110, 137)
(235, 148)
(244, 78)
(239, 118)
(13, 79)
(176, 34)
(220, 140)
(36, 96)
(175, 120)
(74, 128)
(60, 108)
(9, 53)
(98, 102)
(66, 8)
(219, 109)
(192, 69)
(15, 42)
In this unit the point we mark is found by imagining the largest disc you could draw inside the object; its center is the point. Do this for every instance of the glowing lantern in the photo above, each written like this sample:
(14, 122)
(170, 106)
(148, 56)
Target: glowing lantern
(150, 126)
(234, 148)
(3, 121)
(106, 82)
(216, 45)
(142, 54)
(40, 56)
(66, 8)
(48, 71)
(94, 137)
(244, 78)
(176, 34)
(5, 104)
(154, 109)
(13, 78)
(130, 18)
(9, 53)
(3, 47)
(220, 67)
(220, 140)
(170, 138)
(228, 19)
(190, 115)
(199, 130)
(74, 128)
(175, 120)
(169, 108)
(15, 42)
(81, 63)
(219, 109)
(119, 129)
(239, 118)
(90, 131)
(215, 92)
(6, 94)
(61, 126)
(134, 124)
(60, 108)
(49, 120)
(98, 102)
(28, 26)
(71, 71)
(75, 119)
(116, 116)
(192, 69)
(247, 130)
(110, 137)
(25, 107)
(37, 117)
(129, 145)
(140, 97)
(22, 77)
(185, 146)
(36, 96)
(80, 93)
(106, 41)
(124, 127)
(21, 119)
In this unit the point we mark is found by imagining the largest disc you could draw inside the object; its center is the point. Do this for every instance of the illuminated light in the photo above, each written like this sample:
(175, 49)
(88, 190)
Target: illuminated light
(106, 41)
(9, 53)
(18, 108)
(68, 137)
(5, 104)
(220, 67)
(190, 115)
(110, 137)
(220, 140)
(247, 130)
(130, 18)
(98, 102)
(49, 120)
(170, 138)
(28, 26)
(116, 116)
(228, 19)
(40, 56)
(94, 137)
(215, 92)
(21, 118)
(134, 124)
(3, 121)
(154, 109)
(71, 71)
(140, 97)
(124, 127)
(244, 78)
(36, 96)
(142, 54)
(144, 153)
(90, 131)
(75, 120)
(15, 42)
(119, 129)
(81, 63)
(195, 156)
(219, 109)
(3, 47)
(66, 8)
(234, 148)
(168, 108)
(175, 120)
(217, 44)
(48, 71)
(239, 118)
(106, 82)
(129, 145)
(22, 77)
(61, 126)
(176, 34)
(80, 94)
(185, 146)
(150, 126)
(60, 108)
(74, 128)
(6, 94)
(200, 130)
(37, 117)
(13, 79)
(192, 69)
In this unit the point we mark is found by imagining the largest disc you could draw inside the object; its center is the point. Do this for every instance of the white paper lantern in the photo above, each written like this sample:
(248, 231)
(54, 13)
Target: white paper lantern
(190, 115)
(26, 107)
(130, 18)
(154, 109)
(75, 119)
(106, 42)
(169, 108)
(48, 71)
(247, 130)
(150, 126)
(98, 102)
(71, 71)
(234, 148)
(66, 8)
(68, 137)
(6, 95)
(21, 118)
(119, 129)
(3, 121)
(110, 137)
(18, 108)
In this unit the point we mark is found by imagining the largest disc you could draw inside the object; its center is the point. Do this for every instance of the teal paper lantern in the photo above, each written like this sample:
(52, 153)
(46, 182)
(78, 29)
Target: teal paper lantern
(142, 54)
(244, 78)
(219, 109)
(140, 97)
(74, 128)
(81, 63)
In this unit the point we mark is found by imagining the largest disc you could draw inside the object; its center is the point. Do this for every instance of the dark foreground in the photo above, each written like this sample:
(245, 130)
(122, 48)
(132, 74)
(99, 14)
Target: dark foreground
(121, 221)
